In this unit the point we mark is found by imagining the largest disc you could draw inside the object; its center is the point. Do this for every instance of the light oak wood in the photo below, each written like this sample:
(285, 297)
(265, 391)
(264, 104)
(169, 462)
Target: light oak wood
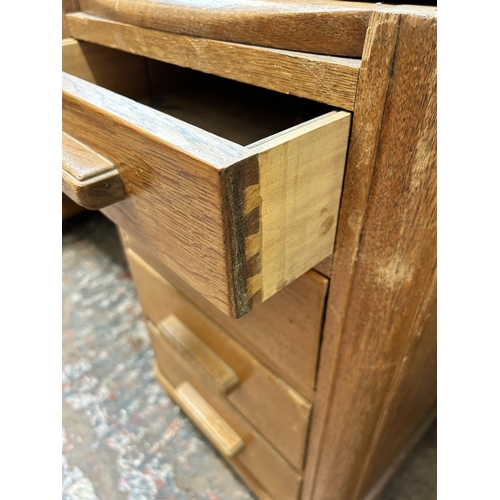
(172, 177)
(88, 178)
(69, 207)
(290, 192)
(373, 85)
(319, 26)
(72, 5)
(112, 69)
(283, 333)
(204, 203)
(374, 392)
(279, 413)
(377, 374)
(198, 354)
(247, 476)
(258, 462)
(68, 6)
(65, 29)
(209, 422)
(327, 79)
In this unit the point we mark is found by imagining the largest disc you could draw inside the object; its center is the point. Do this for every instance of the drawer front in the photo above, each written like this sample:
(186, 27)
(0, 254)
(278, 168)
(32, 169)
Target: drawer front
(279, 413)
(244, 447)
(283, 333)
(237, 223)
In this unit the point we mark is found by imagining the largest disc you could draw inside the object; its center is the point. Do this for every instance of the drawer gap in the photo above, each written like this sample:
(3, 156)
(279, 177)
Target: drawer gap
(235, 111)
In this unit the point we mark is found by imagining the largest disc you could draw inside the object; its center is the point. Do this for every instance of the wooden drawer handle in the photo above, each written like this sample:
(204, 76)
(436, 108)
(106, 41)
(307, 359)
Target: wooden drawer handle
(223, 437)
(88, 178)
(217, 431)
(198, 354)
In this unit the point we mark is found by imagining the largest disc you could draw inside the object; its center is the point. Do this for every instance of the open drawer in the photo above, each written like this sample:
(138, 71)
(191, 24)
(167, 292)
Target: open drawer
(235, 188)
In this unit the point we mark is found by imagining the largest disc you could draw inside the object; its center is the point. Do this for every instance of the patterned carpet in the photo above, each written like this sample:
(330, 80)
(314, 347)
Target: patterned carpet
(122, 437)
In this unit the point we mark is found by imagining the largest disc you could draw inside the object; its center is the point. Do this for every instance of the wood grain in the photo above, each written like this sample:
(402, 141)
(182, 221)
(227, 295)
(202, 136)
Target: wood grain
(385, 262)
(69, 207)
(411, 399)
(321, 26)
(112, 69)
(283, 332)
(257, 460)
(88, 178)
(376, 382)
(65, 29)
(327, 79)
(171, 174)
(368, 114)
(262, 215)
(281, 217)
(297, 200)
(68, 6)
(205, 417)
(279, 413)
(200, 356)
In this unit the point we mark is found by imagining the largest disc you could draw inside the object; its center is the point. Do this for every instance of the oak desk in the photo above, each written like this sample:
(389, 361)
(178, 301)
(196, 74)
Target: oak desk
(272, 169)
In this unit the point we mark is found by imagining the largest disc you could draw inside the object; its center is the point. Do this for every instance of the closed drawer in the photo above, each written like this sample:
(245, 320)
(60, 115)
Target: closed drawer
(279, 413)
(283, 333)
(264, 469)
(238, 195)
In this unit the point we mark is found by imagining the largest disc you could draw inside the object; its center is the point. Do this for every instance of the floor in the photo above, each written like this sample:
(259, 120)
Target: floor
(122, 437)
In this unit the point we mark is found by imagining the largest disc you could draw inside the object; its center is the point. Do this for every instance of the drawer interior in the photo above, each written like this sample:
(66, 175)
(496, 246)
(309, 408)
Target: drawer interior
(235, 188)
(241, 113)
(235, 111)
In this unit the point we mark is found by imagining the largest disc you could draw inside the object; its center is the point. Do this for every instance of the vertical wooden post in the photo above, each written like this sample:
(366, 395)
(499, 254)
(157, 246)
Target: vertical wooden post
(378, 354)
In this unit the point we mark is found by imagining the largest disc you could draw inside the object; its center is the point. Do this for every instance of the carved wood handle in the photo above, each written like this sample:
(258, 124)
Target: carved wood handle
(198, 354)
(88, 178)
